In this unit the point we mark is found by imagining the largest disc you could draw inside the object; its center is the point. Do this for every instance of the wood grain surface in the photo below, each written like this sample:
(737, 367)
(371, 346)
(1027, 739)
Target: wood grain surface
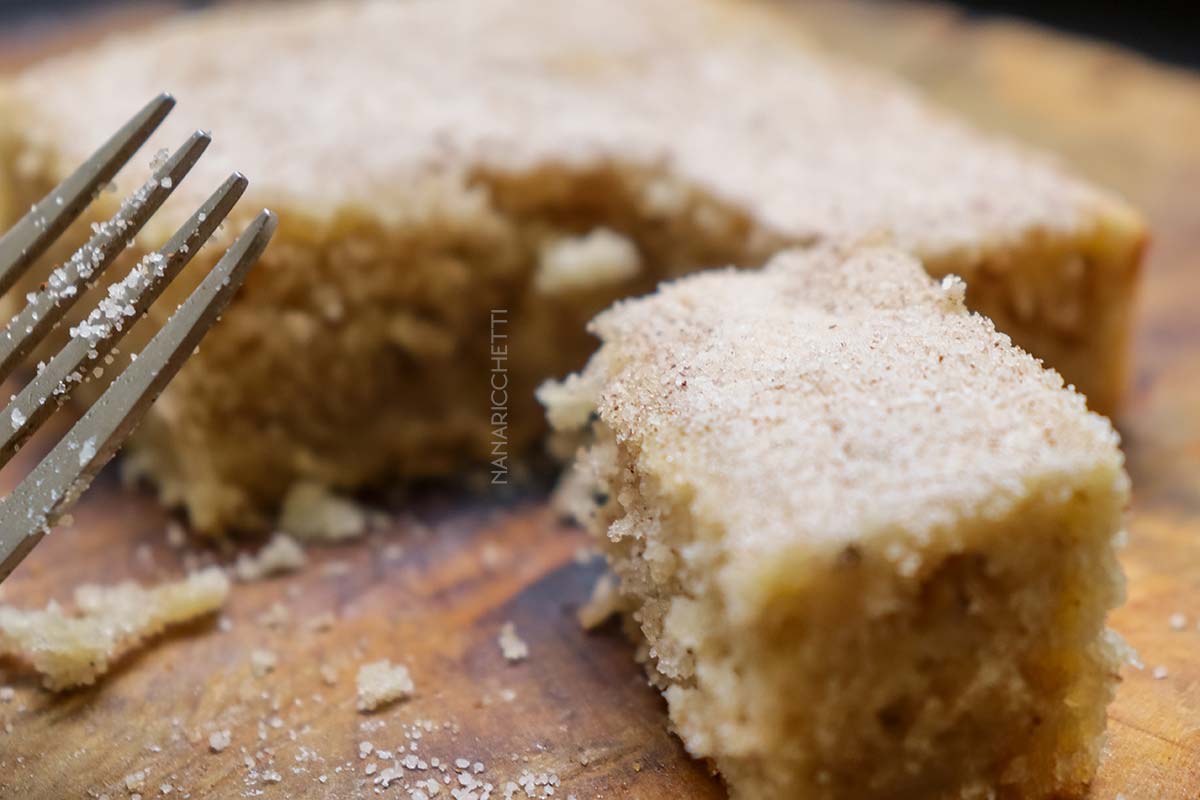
(578, 707)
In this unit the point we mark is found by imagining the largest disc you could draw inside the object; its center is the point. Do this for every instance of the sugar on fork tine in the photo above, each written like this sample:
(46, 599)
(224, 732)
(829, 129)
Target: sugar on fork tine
(52, 486)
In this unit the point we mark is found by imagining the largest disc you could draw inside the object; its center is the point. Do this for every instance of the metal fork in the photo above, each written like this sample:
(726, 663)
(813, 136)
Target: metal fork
(46, 493)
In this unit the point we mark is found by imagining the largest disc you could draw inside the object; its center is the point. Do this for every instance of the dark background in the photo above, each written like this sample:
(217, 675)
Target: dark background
(1166, 29)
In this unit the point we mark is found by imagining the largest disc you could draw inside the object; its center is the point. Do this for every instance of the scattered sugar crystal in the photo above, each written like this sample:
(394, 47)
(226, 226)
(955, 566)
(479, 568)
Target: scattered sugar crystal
(87, 450)
(219, 741)
(1178, 622)
(1160, 672)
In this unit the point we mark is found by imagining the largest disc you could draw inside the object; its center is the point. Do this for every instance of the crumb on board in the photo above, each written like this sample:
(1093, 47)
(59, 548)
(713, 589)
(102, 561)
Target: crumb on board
(1177, 621)
(135, 780)
(262, 662)
(511, 644)
(75, 649)
(311, 512)
(328, 674)
(281, 554)
(604, 603)
(277, 616)
(381, 682)
(176, 535)
(321, 622)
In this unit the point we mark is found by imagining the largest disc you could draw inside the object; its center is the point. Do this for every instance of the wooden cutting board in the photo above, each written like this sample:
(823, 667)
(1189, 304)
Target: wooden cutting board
(578, 707)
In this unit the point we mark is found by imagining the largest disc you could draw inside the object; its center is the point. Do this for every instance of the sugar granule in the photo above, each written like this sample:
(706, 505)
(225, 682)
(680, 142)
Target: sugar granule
(219, 740)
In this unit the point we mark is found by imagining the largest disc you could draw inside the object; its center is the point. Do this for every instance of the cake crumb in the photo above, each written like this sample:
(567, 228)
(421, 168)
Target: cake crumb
(511, 644)
(1160, 672)
(321, 622)
(604, 603)
(75, 649)
(572, 264)
(382, 682)
(1177, 621)
(277, 616)
(311, 512)
(280, 555)
(328, 674)
(262, 662)
(176, 535)
(135, 780)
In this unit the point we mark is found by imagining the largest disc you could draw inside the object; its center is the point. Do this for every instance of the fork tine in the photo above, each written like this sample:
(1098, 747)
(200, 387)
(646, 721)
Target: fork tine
(111, 319)
(67, 282)
(28, 512)
(30, 237)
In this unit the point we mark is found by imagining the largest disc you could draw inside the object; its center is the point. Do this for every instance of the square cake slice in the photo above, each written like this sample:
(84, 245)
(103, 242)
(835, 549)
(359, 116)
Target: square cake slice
(867, 542)
(437, 166)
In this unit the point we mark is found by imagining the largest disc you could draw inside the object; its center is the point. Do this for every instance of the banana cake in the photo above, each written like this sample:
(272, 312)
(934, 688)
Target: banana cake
(438, 166)
(866, 542)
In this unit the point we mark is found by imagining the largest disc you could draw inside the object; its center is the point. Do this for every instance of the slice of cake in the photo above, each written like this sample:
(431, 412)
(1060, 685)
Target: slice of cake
(455, 175)
(868, 543)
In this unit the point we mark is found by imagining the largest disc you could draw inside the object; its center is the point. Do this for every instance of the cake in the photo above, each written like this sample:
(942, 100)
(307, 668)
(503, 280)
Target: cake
(867, 544)
(437, 166)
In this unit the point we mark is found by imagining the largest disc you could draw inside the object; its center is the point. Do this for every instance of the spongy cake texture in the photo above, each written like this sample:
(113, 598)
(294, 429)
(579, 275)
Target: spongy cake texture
(868, 543)
(434, 161)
